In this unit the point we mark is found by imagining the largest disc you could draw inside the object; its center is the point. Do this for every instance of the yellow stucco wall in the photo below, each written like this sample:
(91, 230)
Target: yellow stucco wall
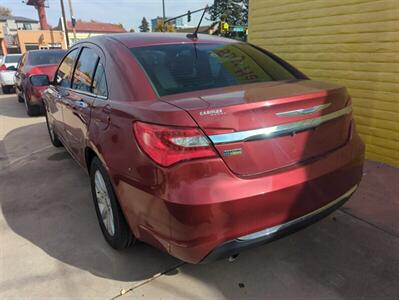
(352, 42)
(42, 38)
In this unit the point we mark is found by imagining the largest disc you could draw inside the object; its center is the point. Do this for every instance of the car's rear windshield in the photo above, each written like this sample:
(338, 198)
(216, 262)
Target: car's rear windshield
(45, 57)
(10, 59)
(181, 68)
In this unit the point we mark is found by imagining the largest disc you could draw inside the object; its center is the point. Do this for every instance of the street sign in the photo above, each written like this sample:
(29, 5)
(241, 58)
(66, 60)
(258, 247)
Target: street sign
(238, 28)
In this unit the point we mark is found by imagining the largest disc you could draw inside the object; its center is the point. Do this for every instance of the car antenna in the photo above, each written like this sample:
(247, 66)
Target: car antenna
(194, 35)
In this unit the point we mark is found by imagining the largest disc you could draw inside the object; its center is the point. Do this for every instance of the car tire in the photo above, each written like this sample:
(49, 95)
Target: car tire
(20, 99)
(112, 222)
(5, 89)
(31, 110)
(53, 136)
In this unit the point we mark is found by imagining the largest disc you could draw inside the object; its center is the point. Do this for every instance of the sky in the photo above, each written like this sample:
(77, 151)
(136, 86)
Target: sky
(127, 12)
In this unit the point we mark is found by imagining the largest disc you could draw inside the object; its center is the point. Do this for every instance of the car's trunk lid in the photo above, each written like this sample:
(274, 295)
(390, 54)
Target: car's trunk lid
(262, 127)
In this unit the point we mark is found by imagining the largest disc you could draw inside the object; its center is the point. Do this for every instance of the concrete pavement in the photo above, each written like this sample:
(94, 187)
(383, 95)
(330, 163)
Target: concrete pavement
(51, 245)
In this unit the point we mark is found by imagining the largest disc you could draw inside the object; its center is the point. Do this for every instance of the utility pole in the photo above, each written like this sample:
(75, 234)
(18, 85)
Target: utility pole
(163, 10)
(73, 20)
(64, 22)
(40, 6)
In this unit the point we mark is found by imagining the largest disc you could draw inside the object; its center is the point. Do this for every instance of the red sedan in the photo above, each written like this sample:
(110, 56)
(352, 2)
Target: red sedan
(202, 146)
(30, 78)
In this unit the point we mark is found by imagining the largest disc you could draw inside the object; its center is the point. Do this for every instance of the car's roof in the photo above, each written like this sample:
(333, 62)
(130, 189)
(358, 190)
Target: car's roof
(132, 40)
(14, 54)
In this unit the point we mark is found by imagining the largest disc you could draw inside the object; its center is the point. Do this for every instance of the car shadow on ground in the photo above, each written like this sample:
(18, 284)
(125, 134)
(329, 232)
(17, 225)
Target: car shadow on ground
(45, 198)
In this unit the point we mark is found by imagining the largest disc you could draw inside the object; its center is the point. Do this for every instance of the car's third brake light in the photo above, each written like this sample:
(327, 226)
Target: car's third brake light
(169, 145)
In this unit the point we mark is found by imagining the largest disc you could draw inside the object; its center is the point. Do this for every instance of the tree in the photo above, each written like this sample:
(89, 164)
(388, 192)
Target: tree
(131, 30)
(144, 27)
(5, 11)
(245, 11)
(167, 27)
(234, 12)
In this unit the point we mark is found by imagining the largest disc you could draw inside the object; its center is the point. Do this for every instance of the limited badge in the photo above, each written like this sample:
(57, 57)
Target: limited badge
(211, 112)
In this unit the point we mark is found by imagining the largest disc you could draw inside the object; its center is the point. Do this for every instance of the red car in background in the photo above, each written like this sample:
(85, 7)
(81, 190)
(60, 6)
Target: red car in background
(33, 69)
(201, 146)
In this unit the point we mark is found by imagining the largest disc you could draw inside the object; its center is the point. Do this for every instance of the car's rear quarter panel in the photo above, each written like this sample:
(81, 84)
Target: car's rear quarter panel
(135, 177)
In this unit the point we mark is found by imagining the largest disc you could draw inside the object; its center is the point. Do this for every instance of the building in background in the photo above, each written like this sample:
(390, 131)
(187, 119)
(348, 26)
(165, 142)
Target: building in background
(354, 44)
(9, 25)
(157, 22)
(179, 23)
(40, 39)
(206, 29)
(202, 29)
(19, 34)
(86, 29)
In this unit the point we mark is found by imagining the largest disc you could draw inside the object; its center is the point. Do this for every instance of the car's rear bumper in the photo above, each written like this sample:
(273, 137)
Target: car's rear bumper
(7, 78)
(201, 214)
(234, 247)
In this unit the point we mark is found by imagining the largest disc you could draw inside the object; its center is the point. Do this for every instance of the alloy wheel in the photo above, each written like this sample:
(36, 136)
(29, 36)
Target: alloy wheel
(50, 129)
(26, 103)
(104, 203)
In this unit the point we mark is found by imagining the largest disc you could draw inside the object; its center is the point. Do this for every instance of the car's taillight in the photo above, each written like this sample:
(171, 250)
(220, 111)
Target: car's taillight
(169, 145)
(3, 68)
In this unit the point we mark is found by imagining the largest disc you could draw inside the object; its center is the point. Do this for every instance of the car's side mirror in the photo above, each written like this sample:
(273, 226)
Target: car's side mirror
(11, 68)
(39, 80)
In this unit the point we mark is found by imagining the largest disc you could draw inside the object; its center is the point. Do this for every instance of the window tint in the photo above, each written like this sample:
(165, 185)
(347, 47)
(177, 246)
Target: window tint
(43, 57)
(64, 73)
(99, 82)
(10, 59)
(84, 70)
(188, 67)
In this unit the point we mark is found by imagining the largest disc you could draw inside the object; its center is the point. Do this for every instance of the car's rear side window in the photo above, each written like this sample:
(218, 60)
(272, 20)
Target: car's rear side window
(99, 81)
(84, 71)
(182, 68)
(64, 72)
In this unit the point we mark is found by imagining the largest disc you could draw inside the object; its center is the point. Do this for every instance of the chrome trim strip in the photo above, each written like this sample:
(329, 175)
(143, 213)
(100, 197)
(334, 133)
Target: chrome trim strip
(277, 228)
(303, 111)
(273, 131)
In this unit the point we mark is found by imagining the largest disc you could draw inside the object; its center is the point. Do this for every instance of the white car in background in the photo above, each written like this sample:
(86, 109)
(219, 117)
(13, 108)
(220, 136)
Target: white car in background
(8, 66)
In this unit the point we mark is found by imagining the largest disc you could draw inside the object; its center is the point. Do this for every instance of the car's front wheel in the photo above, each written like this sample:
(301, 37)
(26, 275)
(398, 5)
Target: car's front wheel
(112, 221)
(20, 99)
(53, 136)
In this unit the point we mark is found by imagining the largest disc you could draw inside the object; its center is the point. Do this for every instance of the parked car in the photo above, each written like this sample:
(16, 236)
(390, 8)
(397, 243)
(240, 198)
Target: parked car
(201, 147)
(8, 67)
(34, 67)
